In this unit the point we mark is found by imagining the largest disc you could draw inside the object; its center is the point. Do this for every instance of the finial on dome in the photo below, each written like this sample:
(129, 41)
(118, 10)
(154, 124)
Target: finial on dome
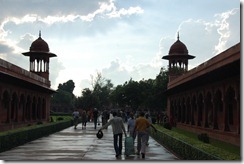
(178, 36)
(40, 34)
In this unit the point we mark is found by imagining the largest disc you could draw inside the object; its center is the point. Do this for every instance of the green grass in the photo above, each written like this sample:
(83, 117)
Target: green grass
(218, 148)
(229, 147)
(216, 143)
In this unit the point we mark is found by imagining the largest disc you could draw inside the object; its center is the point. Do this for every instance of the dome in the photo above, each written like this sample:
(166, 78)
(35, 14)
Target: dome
(178, 48)
(39, 45)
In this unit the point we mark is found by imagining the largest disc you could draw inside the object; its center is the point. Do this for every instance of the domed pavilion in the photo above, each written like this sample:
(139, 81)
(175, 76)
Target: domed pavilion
(39, 57)
(178, 58)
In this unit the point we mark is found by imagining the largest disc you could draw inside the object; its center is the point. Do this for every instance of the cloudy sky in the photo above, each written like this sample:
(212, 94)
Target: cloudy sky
(121, 39)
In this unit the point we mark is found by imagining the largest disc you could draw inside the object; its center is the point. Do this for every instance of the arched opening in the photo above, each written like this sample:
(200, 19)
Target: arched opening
(194, 110)
(28, 108)
(183, 120)
(208, 111)
(5, 107)
(39, 108)
(188, 111)
(218, 110)
(231, 110)
(22, 107)
(200, 110)
(33, 109)
(14, 107)
(178, 113)
(44, 109)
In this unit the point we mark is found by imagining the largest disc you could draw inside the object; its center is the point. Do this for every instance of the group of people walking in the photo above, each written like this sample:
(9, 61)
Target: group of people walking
(140, 127)
(76, 115)
(90, 116)
(136, 128)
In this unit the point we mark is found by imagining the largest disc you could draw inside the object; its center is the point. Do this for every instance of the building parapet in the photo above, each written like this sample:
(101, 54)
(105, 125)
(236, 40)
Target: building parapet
(15, 71)
(229, 56)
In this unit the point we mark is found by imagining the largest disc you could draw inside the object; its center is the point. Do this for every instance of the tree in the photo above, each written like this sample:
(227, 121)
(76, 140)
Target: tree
(68, 86)
(117, 96)
(101, 90)
(63, 100)
(99, 96)
(133, 94)
(145, 94)
(87, 100)
(161, 82)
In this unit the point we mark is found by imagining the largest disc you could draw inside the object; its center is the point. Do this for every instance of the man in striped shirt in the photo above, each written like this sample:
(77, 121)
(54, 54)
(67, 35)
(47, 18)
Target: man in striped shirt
(118, 129)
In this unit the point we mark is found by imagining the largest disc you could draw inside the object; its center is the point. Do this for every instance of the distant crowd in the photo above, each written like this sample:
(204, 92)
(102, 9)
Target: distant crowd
(102, 116)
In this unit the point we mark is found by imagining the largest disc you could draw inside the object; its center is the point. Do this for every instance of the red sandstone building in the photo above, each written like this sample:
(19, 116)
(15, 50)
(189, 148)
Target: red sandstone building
(25, 95)
(205, 99)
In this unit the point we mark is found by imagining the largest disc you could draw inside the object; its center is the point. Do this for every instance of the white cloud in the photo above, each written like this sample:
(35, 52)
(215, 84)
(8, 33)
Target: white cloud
(12, 53)
(105, 9)
(116, 71)
(55, 68)
(122, 12)
(25, 41)
(228, 24)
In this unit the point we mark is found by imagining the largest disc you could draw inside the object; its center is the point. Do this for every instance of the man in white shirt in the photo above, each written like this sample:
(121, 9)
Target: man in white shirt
(118, 129)
(76, 116)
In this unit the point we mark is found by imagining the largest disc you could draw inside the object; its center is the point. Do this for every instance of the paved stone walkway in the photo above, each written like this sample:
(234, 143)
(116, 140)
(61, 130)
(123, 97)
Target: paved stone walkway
(80, 144)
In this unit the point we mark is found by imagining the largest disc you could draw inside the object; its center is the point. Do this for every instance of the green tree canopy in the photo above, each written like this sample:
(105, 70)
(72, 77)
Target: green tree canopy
(67, 86)
(64, 97)
(146, 94)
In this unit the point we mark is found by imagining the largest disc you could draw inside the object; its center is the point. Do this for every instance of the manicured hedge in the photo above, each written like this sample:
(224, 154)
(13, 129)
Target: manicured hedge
(187, 149)
(19, 137)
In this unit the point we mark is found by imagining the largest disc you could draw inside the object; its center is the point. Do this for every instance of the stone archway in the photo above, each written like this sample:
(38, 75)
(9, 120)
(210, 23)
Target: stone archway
(231, 110)
(208, 111)
(14, 107)
(218, 110)
(34, 109)
(28, 108)
(22, 108)
(194, 110)
(188, 110)
(39, 108)
(178, 111)
(183, 111)
(5, 112)
(200, 107)
(44, 109)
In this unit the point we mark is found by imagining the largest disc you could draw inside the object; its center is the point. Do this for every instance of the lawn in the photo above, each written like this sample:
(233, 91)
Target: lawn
(223, 145)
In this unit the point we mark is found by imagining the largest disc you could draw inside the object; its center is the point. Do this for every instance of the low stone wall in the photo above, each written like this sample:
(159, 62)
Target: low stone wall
(17, 138)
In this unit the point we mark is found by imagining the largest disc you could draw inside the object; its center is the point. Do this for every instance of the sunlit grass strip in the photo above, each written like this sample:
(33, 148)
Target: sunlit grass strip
(190, 149)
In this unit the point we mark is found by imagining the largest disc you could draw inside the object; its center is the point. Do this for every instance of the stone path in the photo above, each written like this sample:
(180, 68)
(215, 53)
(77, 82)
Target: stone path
(80, 144)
